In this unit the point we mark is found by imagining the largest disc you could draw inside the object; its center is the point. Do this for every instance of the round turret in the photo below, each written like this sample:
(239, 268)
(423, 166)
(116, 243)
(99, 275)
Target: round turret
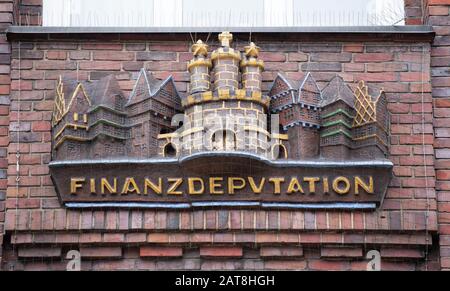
(198, 68)
(252, 68)
(226, 64)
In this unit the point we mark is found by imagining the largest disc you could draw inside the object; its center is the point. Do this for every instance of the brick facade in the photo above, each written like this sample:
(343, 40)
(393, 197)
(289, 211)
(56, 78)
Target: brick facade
(407, 230)
(28, 12)
(414, 12)
(6, 19)
(401, 69)
(438, 15)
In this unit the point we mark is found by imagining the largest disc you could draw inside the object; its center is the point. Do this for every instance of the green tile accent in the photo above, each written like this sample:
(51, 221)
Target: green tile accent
(337, 122)
(340, 131)
(337, 112)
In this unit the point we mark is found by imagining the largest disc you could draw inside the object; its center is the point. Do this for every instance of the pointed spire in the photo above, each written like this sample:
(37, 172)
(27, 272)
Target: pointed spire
(337, 90)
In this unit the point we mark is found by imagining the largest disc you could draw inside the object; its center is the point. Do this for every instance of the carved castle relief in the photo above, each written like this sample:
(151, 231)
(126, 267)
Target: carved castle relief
(225, 110)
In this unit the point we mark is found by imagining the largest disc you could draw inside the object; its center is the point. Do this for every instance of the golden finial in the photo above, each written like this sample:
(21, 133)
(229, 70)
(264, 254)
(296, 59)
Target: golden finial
(225, 38)
(200, 49)
(252, 51)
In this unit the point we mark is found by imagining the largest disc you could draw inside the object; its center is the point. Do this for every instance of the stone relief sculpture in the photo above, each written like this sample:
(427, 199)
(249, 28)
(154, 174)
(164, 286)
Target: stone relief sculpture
(224, 110)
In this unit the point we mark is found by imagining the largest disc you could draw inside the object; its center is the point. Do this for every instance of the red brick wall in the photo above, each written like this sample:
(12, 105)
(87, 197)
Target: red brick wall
(439, 17)
(414, 12)
(42, 232)
(128, 239)
(28, 12)
(6, 18)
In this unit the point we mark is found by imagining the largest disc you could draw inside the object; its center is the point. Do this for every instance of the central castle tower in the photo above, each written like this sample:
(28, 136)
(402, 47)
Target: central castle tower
(221, 112)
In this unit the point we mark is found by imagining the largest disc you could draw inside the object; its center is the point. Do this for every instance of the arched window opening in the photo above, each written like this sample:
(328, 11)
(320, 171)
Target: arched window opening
(170, 151)
(224, 140)
(279, 152)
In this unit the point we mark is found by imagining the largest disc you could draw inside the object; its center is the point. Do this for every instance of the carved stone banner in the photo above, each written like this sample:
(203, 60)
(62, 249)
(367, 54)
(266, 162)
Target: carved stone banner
(225, 143)
(221, 177)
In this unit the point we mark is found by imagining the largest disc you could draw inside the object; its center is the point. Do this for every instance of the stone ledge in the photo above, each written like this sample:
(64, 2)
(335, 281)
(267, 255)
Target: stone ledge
(410, 33)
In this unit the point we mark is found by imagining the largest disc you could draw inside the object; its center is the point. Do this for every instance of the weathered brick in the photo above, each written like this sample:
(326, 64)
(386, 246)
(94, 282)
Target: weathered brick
(133, 66)
(169, 47)
(355, 67)
(101, 252)
(136, 237)
(79, 55)
(325, 67)
(156, 56)
(281, 251)
(372, 57)
(221, 252)
(147, 251)
(376, 77)
(113, 56)
(158, 238)
(100, 65)
(331, 57)
(438, 2)
(353, 48)
(322, 265)
(55, 65)
(275, 57)
(340, 252)
(285, 265)
(165, 66)
(387, 67)
(41, 126)
(113, 237)
(53, 252)
(102, 46)
(136, 47)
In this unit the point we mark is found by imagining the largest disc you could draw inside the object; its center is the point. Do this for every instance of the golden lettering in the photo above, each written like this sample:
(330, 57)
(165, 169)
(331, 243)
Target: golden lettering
(294, 186)
(75, 184)
(93, 186)
(338, 189)
(360, 183)
(156, 188)
(312, 183)
(213, 185)
(326, 186)
(256, 189)
(127, 189)
(191, 186)
(276, 184)
(340, 185)
(105, 184)
(176, 182)
(232, 185)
